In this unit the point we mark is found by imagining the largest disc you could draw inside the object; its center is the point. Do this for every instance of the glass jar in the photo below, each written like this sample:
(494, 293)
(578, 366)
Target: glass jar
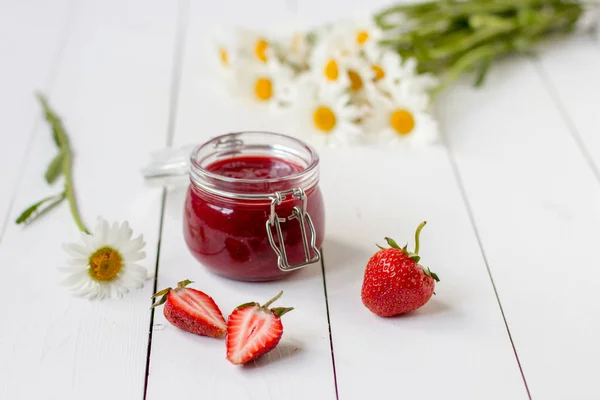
(254, 210)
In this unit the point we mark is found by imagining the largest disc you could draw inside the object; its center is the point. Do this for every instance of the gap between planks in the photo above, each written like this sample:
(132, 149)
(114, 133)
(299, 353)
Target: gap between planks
(337, 396)
(467, 204)
(562, 111)
(178, 53)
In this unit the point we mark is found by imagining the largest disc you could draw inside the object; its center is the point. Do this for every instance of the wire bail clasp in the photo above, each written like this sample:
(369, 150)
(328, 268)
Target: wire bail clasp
(304, 219)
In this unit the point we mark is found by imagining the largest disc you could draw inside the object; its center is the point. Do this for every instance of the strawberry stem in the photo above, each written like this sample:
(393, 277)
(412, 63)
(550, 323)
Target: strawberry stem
(182, 284)
(417, 233)
(274, 299)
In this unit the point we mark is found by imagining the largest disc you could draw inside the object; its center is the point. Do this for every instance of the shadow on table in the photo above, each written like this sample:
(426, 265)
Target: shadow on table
(283, 351)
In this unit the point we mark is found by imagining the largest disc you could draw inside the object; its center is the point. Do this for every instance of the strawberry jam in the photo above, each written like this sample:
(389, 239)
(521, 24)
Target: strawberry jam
(228, 205)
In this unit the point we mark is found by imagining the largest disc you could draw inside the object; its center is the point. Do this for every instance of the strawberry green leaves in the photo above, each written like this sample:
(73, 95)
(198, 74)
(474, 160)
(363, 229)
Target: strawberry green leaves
(414, 255)
(61, 165)
(163, 297)
(184, 283)
(279, 311)
(165, 292)
(392, 243)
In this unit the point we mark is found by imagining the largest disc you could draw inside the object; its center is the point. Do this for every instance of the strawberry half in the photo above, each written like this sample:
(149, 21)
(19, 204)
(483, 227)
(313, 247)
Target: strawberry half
(395, 282)
(254, 330)
(191, 310)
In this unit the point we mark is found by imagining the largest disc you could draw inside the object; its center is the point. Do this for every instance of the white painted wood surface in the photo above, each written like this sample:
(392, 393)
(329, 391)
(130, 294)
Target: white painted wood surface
(112, 90)
(570, 70)
(459, 330)
(198, 365)
(31, 40)
(536, 204)
(515, 191)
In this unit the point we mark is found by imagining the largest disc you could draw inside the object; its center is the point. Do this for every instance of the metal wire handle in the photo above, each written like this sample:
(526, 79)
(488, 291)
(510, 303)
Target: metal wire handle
(304, 219)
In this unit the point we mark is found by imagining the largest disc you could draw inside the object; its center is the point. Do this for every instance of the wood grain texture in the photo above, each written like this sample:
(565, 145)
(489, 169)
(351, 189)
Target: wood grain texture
(112, 90)
(31, 39)
(536, 205)
(456, 346)
(181, 363)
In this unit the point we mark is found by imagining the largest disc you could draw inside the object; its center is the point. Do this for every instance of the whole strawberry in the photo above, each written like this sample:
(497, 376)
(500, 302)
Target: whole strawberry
(191, 310)
(254, 330)
(394, 282)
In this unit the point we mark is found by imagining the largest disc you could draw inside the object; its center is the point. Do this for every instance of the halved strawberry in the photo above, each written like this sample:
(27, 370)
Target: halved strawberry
(192, 310)
(254, 330)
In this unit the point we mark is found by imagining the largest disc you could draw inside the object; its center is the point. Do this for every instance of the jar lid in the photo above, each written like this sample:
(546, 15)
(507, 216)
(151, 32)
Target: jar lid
(178, 166)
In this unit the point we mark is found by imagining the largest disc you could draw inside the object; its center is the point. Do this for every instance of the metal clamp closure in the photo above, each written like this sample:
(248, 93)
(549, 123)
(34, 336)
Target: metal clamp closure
(304, 219)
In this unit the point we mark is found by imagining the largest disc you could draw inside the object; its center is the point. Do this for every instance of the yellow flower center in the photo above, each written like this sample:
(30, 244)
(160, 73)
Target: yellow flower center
(331, 70)
(260, 49)
(355, 80)
(362, 37)
(224, 57)
(324, 119)
(379, 72)
(402, 121)
(263, 89)
(105, 264)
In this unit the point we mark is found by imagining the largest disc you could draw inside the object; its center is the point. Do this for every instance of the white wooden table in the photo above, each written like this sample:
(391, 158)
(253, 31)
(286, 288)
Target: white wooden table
(512, 200)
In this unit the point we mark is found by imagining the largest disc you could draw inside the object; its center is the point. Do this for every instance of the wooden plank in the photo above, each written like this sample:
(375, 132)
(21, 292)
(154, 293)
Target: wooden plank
(456, 346)
(536, 204)
(181, 363)
(31, 37)
(569, 69)
(112, 90)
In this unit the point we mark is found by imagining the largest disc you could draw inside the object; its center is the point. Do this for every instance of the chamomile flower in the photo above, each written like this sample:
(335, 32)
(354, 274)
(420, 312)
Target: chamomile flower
(386, 65)
(220, 53)
(325, 113)
(105, 264)
(362, 33)
(402, 117)
(254, 45)
(418, 82)
(361, 77)
(267, 84)
(328, 67)
(390, 70)
(296, 49)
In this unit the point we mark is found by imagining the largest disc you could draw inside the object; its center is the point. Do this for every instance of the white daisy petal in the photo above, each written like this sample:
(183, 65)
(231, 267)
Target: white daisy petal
(133, 256)
(137, 271)
(83, 262)
(325, 115)
(402, 118)
(83, 275)
(73, 278)
(112, 234)
(100, 233)
(125, 234)
(133, 245)
(72, 268)
(84, 287)
(88, 242)
(75, 250)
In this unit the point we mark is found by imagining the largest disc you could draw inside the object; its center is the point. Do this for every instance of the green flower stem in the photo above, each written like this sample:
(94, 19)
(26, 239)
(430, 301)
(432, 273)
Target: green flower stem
(62, 140)
(449, 38)
(482, 53)
(67, 164)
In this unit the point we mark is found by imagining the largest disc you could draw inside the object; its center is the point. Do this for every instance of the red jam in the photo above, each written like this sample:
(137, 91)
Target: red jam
(229, 236)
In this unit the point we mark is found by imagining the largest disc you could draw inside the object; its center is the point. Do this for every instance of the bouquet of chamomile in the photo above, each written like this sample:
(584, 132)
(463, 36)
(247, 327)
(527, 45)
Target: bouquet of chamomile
(376, 79)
